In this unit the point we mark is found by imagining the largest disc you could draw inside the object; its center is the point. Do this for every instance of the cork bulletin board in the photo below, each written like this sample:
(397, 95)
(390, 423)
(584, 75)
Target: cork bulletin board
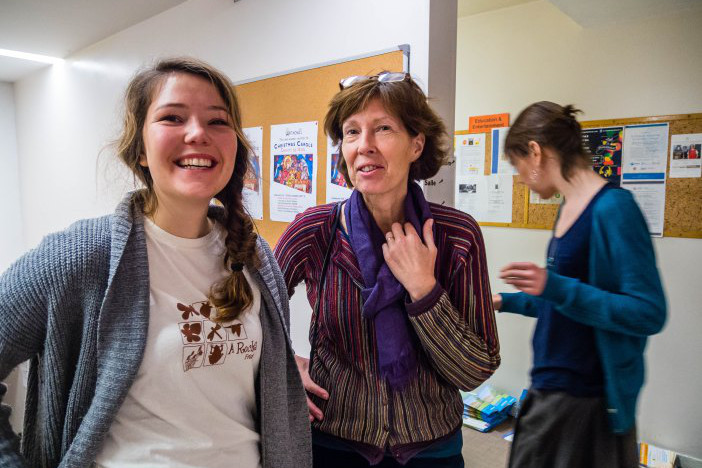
(300, 96)
(683, 197)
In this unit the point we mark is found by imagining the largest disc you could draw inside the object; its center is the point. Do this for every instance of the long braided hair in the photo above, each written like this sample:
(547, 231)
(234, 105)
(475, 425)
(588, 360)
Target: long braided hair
(231, 295)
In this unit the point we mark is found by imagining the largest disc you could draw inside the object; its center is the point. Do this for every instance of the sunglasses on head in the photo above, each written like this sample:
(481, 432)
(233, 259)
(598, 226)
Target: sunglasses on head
(385, 77)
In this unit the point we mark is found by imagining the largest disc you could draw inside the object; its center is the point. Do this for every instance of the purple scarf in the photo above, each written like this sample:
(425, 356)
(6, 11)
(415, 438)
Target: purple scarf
(384, 296)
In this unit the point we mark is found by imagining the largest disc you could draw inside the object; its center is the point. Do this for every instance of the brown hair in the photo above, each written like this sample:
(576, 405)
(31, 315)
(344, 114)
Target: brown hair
(233, 294)
(551, 126)
(406, 101)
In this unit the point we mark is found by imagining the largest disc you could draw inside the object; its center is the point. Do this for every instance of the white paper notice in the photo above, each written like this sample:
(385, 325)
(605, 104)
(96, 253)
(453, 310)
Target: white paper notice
(535, 199)
(645, 152)
(486, 198)
(253, 186)
(470, 154)
(651, 200)
(337, 189)
(500, 163)
(293, 169)
(685, 155)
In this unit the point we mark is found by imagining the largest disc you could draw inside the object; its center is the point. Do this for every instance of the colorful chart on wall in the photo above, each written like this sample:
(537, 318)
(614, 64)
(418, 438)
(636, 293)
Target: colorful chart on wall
(605, 148)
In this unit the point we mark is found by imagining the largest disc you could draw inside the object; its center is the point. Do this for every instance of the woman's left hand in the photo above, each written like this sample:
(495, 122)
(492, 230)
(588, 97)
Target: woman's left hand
(410, 260)
(525, 276)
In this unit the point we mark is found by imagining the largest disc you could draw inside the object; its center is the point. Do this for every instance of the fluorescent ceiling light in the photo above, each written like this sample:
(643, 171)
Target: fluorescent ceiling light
(28, 56)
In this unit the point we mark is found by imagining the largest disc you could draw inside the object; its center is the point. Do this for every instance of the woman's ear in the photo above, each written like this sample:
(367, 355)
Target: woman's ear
(142, 161)
(418, 146)
(535, 153)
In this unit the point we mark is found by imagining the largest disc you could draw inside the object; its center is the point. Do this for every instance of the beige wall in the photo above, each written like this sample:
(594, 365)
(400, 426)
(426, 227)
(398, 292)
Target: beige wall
(509, 58)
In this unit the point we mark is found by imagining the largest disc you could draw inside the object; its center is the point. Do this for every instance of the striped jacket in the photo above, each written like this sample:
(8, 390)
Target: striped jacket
(454, 326)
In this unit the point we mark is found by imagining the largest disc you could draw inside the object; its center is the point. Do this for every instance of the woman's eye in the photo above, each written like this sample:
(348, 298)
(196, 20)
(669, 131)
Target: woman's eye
(219, 122)
(170, 118)
(350, 131)
(384, 128)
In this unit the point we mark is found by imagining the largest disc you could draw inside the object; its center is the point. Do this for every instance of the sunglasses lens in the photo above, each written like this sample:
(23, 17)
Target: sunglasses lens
(350, 80)
(390, 77)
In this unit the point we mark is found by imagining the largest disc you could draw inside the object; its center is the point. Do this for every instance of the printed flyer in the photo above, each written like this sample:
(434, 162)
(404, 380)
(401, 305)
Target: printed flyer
(293, 171)
(253, 187)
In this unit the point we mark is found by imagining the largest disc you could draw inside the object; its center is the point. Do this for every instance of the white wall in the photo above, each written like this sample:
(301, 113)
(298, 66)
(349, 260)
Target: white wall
(11, 245)
(11, 226)
(512, 57)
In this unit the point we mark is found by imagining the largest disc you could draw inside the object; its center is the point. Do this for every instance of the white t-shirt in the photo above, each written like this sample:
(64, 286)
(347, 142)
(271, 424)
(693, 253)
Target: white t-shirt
(193, 403)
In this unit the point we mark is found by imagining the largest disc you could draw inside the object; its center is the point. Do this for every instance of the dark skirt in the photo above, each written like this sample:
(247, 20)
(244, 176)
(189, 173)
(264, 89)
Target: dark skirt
(557, 430)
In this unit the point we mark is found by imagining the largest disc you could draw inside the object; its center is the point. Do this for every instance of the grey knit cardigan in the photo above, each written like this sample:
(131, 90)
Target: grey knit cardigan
(78, 307)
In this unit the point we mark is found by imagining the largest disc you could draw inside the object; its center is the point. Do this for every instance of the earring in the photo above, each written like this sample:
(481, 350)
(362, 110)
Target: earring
(534, 176)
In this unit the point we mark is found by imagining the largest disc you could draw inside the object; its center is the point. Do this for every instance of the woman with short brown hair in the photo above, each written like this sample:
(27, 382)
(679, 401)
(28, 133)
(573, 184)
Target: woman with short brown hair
(401, 286)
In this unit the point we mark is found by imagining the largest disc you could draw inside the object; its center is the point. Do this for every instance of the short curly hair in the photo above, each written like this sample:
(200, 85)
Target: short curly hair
(404, 100)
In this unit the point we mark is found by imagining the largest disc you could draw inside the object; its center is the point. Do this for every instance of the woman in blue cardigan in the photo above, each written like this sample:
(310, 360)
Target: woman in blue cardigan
(596, 302)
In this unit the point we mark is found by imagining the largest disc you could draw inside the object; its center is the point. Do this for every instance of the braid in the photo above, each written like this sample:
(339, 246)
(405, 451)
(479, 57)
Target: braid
(233, 295)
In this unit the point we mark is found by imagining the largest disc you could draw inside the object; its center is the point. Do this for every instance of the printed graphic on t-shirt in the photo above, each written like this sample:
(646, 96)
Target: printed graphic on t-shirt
(207, 343)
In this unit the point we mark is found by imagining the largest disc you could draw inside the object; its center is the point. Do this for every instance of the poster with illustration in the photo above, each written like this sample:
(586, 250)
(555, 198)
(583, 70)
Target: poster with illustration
(293, 172)
(337, 188)
(604, 145)
(253, 186)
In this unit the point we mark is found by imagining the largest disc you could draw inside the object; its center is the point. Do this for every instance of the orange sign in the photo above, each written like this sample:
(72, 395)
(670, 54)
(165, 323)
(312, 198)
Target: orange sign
(483, 123)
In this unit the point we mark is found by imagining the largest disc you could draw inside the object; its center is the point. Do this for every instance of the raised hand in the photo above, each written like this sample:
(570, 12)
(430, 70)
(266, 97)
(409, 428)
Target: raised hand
(410, 260)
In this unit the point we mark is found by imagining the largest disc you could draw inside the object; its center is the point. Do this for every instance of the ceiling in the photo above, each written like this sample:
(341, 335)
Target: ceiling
(59, 28)
(592, 13)
(474, 7)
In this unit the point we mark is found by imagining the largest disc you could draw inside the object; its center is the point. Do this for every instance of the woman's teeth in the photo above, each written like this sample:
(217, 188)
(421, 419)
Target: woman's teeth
(195, 162)
(368, 168)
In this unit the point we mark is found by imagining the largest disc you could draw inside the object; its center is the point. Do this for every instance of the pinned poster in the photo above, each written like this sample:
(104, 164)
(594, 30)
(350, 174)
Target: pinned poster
(500, 163)
(293, 171)
(651, 200)
(470, 154)
(645, 152)
(643, 170)
(604, 145)
(488, 199)
(685, 155)
(337, 188)
(253, 186)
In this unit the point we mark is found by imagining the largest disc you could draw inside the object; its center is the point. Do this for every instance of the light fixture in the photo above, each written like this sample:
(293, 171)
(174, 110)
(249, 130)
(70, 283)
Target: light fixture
(28, 56)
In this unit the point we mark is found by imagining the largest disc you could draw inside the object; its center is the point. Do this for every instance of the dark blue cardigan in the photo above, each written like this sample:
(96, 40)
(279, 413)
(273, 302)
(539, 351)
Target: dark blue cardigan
(623, 300)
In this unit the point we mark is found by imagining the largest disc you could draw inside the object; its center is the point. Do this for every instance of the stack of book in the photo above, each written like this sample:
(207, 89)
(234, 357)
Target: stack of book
(486, 408)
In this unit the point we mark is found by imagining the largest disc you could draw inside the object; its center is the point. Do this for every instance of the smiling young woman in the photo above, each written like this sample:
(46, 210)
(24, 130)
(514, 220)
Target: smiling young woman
(155, 333)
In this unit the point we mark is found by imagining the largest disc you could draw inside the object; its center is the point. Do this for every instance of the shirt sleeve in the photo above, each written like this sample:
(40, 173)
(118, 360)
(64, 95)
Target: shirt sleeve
(456, 325)
(297, 244)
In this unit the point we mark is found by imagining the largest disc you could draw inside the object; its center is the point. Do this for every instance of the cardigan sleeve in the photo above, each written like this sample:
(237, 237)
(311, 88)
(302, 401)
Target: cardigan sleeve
(628, 298)
(25, 289)
(456, 326)
(520, 303)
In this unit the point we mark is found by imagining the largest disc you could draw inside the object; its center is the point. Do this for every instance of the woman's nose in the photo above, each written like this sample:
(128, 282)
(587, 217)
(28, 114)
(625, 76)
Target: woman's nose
(366, 142)
(196, 132)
